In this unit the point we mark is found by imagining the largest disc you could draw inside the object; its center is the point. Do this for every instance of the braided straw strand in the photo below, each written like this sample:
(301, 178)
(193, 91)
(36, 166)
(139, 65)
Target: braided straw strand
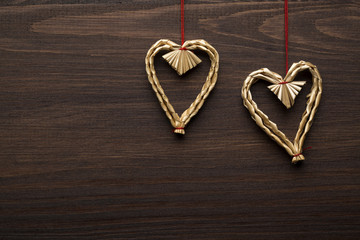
(179, 123)
(294, 149)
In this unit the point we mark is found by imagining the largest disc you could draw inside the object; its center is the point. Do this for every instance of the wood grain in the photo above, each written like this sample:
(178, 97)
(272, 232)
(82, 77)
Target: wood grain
(87, 152)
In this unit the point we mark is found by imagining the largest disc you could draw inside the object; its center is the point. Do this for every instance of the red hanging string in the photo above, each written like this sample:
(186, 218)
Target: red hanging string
(286, 34)
(182, 23)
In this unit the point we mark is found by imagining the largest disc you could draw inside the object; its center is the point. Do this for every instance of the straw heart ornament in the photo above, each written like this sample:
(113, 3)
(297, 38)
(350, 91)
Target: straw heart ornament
(182, 59)
(286, 89)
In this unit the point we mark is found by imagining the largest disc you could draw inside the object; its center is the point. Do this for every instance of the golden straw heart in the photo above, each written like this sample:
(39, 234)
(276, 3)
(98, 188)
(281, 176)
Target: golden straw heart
(286, 90)
(182, 59)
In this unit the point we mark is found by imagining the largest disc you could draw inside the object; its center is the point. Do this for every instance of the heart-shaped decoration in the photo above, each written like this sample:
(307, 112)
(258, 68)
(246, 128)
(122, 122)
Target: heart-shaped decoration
(286, 90)
(182, 59)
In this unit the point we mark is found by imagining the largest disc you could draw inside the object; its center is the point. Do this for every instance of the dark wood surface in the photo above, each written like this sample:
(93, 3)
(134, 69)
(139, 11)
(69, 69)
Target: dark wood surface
(87, 152)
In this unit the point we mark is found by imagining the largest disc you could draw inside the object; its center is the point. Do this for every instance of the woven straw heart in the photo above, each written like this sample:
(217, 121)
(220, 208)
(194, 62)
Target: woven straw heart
(293, 148)
(177, 122)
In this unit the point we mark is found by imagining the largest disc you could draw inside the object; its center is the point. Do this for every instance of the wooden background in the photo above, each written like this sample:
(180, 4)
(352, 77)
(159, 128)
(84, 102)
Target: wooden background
(87, 152)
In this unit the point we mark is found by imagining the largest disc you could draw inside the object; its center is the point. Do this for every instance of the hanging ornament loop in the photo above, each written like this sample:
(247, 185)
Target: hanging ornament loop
(286, 24)
(182, 23)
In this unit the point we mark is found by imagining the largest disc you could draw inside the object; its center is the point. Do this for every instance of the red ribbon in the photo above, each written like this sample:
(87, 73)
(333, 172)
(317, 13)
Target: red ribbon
(177, 128)
(182, 23)
(286, 34)
(302, 151)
